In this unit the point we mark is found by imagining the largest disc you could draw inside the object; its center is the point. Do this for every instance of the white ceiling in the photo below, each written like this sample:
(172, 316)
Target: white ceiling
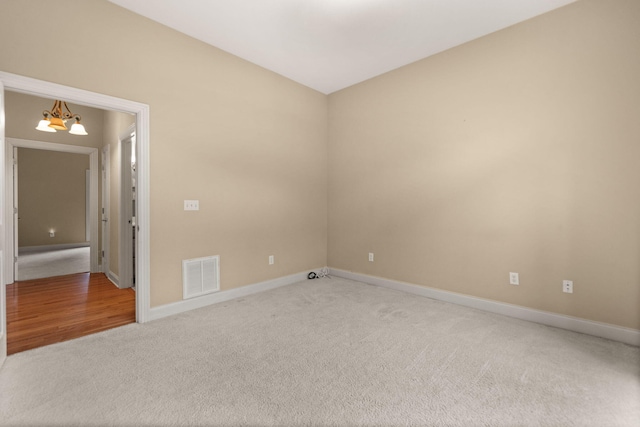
(332, 44)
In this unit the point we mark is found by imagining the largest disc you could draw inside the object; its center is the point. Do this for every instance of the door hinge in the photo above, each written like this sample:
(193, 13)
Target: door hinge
(102, 254)
(15, 259)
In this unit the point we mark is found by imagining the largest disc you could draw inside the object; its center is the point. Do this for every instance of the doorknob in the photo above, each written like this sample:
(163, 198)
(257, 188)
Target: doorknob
(104, 220)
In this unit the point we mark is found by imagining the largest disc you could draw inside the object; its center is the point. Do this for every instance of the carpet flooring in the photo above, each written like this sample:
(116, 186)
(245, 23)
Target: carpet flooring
(328, 352)
(51, 263)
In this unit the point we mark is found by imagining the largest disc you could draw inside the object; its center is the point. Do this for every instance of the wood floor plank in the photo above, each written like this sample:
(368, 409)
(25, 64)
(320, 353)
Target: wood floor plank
(46, 311)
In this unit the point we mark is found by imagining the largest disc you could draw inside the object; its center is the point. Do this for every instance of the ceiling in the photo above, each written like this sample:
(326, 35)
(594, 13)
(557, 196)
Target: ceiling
(332, 44)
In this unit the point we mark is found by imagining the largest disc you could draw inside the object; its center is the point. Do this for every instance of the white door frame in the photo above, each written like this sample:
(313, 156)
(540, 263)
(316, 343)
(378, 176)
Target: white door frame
(87, 210)
(3, 288)
(10, 243)
(36, 87)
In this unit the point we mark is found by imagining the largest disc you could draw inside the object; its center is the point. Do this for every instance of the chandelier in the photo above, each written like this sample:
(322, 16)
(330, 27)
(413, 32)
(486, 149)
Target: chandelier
(55, 119)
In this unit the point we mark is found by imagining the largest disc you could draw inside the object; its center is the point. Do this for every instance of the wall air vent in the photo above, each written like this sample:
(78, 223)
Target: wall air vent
(200, 276)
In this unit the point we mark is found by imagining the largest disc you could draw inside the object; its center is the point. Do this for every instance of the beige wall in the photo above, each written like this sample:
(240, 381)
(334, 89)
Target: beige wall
(52, 188)
(515, 152)
(249, 144)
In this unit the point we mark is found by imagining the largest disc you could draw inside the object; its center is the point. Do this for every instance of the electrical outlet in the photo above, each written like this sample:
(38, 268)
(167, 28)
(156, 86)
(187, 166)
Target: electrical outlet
(567, 286)
(514, 278)
(271, 260)
(370, 256)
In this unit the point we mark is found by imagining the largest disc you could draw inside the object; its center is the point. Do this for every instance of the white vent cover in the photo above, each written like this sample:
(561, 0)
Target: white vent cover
(200, 276)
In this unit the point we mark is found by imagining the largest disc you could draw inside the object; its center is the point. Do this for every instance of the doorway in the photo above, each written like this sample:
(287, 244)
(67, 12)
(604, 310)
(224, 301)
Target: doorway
(11, 195)
(81, 97)
(56, 305)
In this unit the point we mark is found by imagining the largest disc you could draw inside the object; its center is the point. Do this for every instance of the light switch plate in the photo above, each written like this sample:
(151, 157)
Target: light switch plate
(192, 205)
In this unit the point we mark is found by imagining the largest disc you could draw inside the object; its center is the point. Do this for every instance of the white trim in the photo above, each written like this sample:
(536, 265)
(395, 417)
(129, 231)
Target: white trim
(113, 277)
(52, 146)
(217, 297)
(29, 249)
(3, 226)
(10, 143)
(127, 133)
(36, 87)
(599, 329)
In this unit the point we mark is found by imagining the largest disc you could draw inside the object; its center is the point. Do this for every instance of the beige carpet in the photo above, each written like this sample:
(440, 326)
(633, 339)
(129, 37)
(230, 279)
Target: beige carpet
(326, 352)
(50, 263)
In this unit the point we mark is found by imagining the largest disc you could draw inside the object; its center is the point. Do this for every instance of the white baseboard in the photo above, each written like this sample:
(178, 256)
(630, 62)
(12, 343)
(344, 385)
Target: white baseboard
(603, 330)
(27, 249)
(214, 298)
(113, 278)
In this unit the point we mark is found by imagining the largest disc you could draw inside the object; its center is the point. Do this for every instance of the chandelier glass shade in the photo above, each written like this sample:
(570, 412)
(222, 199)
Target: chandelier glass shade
(54, 119)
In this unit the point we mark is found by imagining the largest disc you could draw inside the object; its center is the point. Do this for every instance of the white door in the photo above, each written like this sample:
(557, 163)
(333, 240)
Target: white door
(3, 287)
(127, 212)
(105, 210)
(16, 215)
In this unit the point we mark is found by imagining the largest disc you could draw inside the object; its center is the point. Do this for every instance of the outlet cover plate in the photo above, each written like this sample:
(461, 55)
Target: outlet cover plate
(567, 286)
(514, 278)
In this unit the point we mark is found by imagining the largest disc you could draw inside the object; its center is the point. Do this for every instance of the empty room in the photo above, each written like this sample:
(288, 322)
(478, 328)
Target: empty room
(347, 212)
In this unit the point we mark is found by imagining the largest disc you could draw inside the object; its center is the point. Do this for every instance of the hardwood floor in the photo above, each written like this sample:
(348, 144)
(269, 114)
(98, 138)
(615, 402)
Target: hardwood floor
(46, 311)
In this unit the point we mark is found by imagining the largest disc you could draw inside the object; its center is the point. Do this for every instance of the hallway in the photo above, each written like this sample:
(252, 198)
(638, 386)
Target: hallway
(36, 264)
(50, 310)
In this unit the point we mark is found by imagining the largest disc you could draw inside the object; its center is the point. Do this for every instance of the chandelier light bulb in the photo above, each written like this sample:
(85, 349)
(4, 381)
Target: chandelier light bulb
(43, 125)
